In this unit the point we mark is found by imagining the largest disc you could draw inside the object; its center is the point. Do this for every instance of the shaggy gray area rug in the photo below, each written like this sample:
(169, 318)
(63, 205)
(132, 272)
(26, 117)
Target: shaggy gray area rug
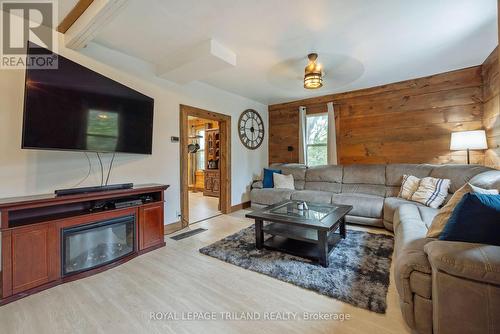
(358, 273)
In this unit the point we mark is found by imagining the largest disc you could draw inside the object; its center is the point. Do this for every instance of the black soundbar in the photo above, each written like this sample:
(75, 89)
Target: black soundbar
(85, 190)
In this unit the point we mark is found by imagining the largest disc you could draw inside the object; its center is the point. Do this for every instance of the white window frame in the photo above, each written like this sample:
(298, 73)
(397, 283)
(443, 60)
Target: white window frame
(307, 137)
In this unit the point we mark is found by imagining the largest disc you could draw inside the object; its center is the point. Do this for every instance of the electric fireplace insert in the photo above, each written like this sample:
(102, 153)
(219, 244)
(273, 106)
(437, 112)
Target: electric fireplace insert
(97, 244)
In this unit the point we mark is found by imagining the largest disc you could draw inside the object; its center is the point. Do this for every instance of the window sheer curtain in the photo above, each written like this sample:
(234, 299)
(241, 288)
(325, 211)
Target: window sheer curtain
(302, 135)
(332, 135)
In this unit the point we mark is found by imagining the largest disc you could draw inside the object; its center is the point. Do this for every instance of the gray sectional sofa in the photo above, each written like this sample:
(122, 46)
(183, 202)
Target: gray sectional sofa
(444, 287)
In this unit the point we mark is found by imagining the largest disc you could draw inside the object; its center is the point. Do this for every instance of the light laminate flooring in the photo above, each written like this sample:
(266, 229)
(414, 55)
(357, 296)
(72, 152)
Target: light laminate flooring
(202, 207)
(179, 282)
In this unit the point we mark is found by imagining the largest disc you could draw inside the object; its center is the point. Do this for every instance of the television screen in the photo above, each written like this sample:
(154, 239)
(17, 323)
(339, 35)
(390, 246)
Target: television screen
(75, 108)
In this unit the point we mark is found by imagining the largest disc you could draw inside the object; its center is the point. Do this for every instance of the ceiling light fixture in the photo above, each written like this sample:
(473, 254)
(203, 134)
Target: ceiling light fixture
(313, 77)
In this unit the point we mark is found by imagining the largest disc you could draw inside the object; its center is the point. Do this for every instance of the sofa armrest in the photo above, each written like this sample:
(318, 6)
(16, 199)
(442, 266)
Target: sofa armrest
(476, 262)
(410, 259)
(257, 184)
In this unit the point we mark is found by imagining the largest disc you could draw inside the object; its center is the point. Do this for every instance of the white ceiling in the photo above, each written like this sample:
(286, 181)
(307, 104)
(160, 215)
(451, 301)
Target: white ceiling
(362, 43)
(64, 7)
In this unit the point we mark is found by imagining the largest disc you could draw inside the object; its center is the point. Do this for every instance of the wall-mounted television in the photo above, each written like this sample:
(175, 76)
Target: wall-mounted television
(74, 108)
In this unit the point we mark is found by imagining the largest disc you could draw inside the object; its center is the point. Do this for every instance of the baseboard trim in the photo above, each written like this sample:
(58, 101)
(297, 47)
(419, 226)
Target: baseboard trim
(241, 206)
(171, 228)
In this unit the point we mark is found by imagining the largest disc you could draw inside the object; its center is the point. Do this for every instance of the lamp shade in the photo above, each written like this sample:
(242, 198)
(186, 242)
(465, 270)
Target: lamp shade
(472, 140)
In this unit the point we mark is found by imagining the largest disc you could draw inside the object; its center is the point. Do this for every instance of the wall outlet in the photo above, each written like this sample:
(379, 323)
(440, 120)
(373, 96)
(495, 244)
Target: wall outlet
(178, 214)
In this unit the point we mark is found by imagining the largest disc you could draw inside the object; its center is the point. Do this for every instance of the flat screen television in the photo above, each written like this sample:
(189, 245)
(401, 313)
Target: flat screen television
(74, 108)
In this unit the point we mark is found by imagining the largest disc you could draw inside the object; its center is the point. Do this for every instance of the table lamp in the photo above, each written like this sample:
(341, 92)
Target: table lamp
(468, 140)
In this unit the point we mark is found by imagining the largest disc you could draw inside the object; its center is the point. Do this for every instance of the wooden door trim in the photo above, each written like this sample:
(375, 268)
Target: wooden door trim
(225, 158)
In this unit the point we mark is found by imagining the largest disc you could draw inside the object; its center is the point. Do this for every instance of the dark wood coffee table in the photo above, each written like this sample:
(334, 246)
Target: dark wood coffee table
(306, 233)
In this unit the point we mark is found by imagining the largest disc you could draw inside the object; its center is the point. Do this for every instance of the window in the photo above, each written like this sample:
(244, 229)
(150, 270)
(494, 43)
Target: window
(316, 139)
(200, 155)
(102, 130)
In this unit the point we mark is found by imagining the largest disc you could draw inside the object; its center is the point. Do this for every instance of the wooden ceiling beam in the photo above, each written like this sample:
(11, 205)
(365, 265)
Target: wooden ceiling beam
(87, 26)
(73, 15)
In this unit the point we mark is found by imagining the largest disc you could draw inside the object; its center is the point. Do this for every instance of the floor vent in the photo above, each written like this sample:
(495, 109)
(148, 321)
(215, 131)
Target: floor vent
(188, 234)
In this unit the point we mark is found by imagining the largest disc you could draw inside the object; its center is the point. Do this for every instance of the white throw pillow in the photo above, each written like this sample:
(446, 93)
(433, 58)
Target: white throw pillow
(444, 214)
(282, 181)
(408, 186)
(431, 192)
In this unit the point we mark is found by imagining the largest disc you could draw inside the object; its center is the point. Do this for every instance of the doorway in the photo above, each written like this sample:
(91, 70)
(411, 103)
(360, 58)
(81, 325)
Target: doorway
(205, 141)
(203, 168)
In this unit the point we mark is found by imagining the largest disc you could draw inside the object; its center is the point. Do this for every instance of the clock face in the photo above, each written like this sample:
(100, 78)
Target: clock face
(251, 129)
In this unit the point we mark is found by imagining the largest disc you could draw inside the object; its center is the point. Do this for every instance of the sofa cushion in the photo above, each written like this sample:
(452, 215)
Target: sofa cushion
(327, 173)
(487, 180)
(394, 172)
(409, 241)
(268, 196)
(419, 214)
(458, 174)
(378, 222)
(391, 204)
(297, 170)
(427, 214)
(324, 186)
(299, 185)
(392, 191)
(366, 189)
(364, 174)
(473, 261)
(363, 205)
(313, 196)
(324, 178)
(407, 212)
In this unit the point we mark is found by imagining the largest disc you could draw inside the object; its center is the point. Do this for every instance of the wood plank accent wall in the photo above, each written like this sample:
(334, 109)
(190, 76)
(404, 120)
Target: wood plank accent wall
(409, 121)
(491, 116)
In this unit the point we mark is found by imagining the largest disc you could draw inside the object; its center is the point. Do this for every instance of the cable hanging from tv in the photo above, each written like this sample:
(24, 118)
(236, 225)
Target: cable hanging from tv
(105, 183)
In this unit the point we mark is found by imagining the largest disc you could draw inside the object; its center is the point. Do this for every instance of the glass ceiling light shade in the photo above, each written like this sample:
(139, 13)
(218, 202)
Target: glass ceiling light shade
(313, 77)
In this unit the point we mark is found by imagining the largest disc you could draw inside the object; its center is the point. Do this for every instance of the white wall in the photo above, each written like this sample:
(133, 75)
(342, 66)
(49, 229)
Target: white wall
(27, 172)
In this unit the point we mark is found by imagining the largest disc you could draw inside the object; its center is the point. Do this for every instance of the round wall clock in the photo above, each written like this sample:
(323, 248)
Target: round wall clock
(251, 129)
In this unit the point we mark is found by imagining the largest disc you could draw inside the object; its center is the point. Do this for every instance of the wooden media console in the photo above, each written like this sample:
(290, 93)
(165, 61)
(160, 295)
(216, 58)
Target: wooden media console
(44, 236)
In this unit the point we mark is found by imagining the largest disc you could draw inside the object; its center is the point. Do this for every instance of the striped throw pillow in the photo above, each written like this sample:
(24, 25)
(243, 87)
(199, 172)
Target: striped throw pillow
(408, 186)
(431, 192)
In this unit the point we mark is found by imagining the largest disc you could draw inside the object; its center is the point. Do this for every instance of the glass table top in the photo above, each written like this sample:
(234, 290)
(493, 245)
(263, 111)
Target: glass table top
(314, 211)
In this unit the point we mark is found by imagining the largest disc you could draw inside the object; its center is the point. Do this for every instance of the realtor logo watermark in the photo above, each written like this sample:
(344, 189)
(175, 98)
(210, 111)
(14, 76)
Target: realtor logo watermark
(32, 21)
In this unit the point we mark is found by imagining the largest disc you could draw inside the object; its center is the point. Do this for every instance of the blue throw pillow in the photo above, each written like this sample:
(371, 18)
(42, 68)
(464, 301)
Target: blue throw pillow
(476, 218)
(268, 182)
